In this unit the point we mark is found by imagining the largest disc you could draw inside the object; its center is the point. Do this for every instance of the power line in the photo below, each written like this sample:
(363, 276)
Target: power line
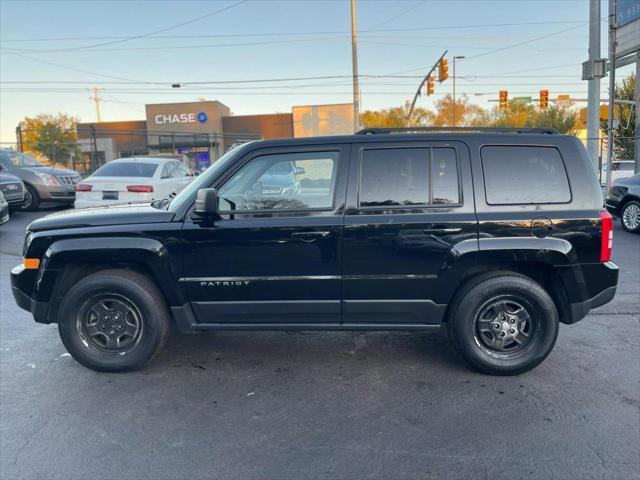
(166, 29)
(515, 45)
(280, 34)
(395, 17)
(73, 69)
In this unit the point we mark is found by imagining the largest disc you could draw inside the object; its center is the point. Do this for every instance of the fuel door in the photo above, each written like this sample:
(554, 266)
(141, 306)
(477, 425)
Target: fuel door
(541, 227)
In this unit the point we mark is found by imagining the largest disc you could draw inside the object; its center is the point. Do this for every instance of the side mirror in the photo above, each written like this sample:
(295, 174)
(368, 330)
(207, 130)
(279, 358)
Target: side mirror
(207, 203)
(300, 171)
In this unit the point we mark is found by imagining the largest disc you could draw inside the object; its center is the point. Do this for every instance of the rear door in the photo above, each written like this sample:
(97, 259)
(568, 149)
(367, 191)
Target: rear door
(410, 217)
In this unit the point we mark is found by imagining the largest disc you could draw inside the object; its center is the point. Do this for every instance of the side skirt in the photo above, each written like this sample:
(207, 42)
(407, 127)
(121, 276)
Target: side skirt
(186, 323)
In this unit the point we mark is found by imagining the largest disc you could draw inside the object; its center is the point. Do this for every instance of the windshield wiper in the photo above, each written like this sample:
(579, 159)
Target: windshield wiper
(164, 202)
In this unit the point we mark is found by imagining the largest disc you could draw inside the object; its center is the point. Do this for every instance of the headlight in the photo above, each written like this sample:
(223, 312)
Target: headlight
(47, 179)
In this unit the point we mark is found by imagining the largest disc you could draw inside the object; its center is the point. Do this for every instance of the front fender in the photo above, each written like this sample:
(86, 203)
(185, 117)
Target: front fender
(112, 251)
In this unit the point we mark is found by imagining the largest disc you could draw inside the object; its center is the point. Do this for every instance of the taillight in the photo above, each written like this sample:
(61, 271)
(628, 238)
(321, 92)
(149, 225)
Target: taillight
(606, 240)
(140, 188)
(83, 187)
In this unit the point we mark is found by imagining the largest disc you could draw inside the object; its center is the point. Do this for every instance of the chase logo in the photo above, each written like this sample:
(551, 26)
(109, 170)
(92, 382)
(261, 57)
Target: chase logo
(201, 117)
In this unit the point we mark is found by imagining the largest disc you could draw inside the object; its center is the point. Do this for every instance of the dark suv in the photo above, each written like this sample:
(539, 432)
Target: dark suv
(496, 235)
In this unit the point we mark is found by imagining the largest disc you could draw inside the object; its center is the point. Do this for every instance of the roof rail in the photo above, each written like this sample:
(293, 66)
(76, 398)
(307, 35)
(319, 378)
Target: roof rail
(384, 130)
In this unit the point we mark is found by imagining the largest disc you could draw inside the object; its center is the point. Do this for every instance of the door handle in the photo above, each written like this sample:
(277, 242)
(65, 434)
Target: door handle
(310, 236)
(442, 230)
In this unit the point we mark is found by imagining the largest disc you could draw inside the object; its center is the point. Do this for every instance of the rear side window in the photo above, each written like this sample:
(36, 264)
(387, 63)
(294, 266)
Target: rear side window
(126, 169)
(524, 175)
(409, 177)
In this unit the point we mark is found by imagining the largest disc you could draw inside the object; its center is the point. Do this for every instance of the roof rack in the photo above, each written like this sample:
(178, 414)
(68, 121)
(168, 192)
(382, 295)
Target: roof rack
(384, 130)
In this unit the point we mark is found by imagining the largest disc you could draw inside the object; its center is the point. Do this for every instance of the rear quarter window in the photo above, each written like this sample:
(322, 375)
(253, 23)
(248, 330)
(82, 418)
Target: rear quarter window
(516, 175)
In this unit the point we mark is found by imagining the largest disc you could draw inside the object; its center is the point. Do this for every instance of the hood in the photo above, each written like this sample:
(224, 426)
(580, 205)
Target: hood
(101, 216)
(53, 171)
(8, 178)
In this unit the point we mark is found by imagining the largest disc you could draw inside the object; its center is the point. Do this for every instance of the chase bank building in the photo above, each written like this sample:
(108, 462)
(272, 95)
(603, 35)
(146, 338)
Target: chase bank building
(203, 131)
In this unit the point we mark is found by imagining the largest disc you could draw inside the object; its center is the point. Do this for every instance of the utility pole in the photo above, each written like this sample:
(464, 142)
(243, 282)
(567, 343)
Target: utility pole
(19, 137)
(593, 102)
(96, 98)
(458, 57)
(354, 62)
(612, 90)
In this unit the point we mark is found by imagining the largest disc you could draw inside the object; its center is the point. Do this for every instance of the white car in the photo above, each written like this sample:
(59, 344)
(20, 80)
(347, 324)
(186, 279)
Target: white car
(132, 180)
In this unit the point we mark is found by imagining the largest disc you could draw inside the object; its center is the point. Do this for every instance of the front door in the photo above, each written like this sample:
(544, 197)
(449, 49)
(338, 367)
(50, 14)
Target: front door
(274, 256)
(410, 216)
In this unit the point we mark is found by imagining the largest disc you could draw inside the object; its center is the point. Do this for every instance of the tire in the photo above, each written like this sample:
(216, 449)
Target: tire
(630, 216)
(105, 305)
(477, 311)
(31, 199)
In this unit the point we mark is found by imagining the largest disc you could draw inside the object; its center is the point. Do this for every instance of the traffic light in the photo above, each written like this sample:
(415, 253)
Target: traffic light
(443, 70)
(504, 96)
(544, 99)
(430, 85)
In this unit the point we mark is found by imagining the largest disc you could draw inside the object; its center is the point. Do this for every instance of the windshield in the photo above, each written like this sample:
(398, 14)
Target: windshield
(204, 179)
(126, 169)
(20, 159)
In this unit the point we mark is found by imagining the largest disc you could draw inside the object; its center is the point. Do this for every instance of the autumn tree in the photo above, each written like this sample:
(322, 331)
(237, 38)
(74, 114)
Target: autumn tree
(623, 146)
(467, 114)
(51, 136)
(396, 117)
(525, 115)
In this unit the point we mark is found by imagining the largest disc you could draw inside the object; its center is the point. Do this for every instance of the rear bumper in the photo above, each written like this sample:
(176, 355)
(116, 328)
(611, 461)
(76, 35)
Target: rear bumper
(20, 279)
(603, 280)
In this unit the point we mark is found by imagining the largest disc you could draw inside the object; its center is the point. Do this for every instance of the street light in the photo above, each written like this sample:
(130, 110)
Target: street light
(458, 57)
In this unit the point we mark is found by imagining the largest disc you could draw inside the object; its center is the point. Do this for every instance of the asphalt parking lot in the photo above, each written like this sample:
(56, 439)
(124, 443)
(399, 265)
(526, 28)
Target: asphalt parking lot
(322, 405)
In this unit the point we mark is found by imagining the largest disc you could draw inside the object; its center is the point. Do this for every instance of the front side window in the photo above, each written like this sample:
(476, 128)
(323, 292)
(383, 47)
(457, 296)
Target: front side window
(524, 175)
(409, 177)
(291, 181)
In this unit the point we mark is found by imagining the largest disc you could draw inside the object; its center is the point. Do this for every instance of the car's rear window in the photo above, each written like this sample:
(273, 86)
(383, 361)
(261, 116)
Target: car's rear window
(126, 169)
(516, 175)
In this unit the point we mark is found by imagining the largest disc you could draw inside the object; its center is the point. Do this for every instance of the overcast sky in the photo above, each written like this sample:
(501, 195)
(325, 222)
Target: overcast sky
(518, 45)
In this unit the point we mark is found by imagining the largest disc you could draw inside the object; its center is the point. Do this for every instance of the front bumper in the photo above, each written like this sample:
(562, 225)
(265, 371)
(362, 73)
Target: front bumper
(61, 194)
(22, 281)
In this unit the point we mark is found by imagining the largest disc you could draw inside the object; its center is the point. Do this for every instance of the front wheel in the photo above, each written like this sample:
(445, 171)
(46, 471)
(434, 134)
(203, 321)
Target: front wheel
(503, 325)
(31, 199)
(113, 320)
(630, 216)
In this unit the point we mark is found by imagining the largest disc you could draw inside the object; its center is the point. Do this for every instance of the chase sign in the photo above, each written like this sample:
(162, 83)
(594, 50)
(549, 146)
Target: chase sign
(163, 119)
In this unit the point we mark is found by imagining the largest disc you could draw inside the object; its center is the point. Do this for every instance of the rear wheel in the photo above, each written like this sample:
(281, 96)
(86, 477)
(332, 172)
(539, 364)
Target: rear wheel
(114, 320)
(630, 216)
(503, 325)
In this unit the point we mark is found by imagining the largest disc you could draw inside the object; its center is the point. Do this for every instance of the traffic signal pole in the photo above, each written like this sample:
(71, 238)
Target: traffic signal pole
(612, 90)
(424, 80)
(593, 95)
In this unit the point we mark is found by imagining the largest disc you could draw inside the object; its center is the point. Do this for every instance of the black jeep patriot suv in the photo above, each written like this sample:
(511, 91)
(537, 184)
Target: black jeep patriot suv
(496, 235)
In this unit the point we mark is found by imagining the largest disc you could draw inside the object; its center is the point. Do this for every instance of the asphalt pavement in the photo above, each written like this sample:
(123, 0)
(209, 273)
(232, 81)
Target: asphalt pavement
(273, 405)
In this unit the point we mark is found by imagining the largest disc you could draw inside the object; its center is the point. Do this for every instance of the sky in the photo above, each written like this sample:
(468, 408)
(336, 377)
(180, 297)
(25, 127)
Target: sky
(53, 52)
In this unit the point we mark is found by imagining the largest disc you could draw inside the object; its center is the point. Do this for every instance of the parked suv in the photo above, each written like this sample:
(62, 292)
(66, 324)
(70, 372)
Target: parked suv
(43, 184)
(497, 236)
